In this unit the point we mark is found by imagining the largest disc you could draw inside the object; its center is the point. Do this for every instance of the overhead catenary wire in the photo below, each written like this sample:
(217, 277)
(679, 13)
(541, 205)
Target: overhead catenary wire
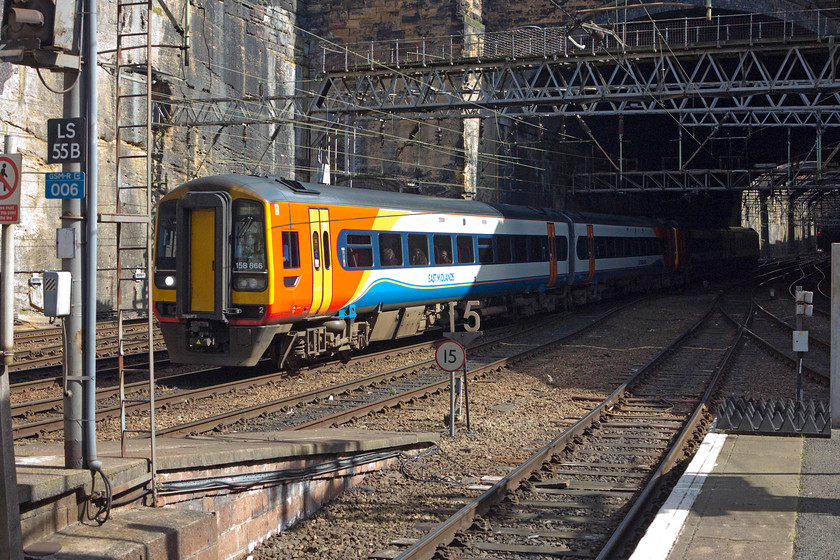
(431, 146)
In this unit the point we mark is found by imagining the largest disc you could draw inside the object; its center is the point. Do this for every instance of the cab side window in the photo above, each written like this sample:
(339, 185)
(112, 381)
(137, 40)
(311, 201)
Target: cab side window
(291, 250)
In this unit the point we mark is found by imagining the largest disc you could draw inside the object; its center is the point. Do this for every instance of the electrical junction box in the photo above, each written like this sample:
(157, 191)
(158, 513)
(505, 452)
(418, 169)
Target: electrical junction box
(800, 341)
(56, 293)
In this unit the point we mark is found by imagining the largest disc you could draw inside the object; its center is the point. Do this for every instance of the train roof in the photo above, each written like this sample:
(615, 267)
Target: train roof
(279, 189)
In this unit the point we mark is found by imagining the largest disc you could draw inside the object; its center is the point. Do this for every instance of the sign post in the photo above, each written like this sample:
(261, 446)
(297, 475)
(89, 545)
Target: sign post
(800, 337)
(451, 356)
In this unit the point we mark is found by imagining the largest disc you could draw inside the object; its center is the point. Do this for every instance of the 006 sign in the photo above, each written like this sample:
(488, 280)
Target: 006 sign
(65, 185)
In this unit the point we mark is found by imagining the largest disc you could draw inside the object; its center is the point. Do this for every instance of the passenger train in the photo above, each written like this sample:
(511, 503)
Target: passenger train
(246, 266)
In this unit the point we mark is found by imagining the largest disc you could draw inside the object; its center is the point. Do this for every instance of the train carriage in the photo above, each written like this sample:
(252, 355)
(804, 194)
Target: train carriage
(249, 265)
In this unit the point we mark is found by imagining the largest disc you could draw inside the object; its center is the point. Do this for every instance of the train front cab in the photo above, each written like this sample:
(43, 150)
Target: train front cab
(212, 286)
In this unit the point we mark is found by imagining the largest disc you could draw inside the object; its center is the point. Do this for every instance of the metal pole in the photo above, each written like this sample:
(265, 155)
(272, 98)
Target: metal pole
(466, 398)
(92, 235)
(835, 336)
(71, 212)
(11, 538)
(452, 403)
(799, 355)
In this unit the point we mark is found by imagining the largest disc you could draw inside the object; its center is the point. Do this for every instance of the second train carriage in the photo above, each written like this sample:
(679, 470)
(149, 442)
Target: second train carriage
(249, 264)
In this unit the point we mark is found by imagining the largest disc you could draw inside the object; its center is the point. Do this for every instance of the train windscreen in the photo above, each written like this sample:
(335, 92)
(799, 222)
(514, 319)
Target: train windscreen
(249, 256)
(165, 246)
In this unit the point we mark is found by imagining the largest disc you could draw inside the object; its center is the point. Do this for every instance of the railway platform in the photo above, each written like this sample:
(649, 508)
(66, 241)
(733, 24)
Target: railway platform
(221, 495)
(752, 496)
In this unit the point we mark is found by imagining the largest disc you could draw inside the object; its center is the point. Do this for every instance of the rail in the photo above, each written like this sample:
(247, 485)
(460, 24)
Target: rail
(583, 38)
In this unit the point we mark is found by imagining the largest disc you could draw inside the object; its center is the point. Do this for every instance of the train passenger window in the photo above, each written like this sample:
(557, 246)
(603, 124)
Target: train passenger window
(610, 247)
(358, 239)
(520, 248)
(326, 248)
(503, 248)
(537, 248)
(633, 247)
(291, 251)
(485, 250)
(465, 249)
(623, 246)
(443, 249)
(562, 244)
(359, 250)
(390, 249)
(582, 248)
(359, 257)
(316, 251)
(598, 246)
(418, 249)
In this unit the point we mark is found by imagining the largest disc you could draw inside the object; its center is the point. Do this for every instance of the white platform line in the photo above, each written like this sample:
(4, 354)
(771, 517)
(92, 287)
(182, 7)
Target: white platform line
(663, 532)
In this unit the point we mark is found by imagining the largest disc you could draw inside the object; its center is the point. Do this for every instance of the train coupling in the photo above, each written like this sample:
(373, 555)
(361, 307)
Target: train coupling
(201, 336)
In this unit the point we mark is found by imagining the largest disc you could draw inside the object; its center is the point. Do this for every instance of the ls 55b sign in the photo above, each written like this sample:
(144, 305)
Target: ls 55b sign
(66, 140)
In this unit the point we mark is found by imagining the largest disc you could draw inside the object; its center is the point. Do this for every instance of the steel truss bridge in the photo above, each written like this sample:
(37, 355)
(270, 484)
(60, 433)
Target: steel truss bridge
(731, 72)
(738, 71)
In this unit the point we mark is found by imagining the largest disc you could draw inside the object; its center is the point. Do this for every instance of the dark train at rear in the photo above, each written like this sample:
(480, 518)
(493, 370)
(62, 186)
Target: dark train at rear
(252, 265)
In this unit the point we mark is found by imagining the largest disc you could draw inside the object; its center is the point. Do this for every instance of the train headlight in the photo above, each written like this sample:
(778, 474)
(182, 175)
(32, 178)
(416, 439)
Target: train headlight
(250, 282)
(165, 279)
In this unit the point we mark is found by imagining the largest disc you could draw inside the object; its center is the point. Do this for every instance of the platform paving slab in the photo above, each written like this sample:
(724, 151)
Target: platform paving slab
(50, 493)
(138, 534)
(748, 504)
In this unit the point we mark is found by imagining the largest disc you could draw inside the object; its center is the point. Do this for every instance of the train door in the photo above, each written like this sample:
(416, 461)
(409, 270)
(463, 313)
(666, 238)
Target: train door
(322, 281)
(590, 244)
(552, 256)
(203, 254)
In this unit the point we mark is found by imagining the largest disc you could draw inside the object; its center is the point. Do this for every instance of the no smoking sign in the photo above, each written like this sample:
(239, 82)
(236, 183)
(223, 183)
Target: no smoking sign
(10, 166)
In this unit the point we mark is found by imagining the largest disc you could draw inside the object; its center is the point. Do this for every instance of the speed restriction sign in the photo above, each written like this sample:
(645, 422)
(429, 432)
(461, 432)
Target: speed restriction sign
(450, 356)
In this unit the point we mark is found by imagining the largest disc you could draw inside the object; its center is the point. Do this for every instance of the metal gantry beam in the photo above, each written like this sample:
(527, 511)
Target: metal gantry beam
(229, 111)
(707, 180)
(741, 71)
(771, 85)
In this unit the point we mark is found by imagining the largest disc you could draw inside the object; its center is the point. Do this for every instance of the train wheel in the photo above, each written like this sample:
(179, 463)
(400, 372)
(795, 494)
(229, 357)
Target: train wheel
(284, 357)
(293, 363)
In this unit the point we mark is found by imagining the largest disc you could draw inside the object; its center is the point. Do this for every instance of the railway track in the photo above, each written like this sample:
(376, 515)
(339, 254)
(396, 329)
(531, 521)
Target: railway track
(341, 403)
(582, 495)
(602, 466)
(43, 347)
(417, 379)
